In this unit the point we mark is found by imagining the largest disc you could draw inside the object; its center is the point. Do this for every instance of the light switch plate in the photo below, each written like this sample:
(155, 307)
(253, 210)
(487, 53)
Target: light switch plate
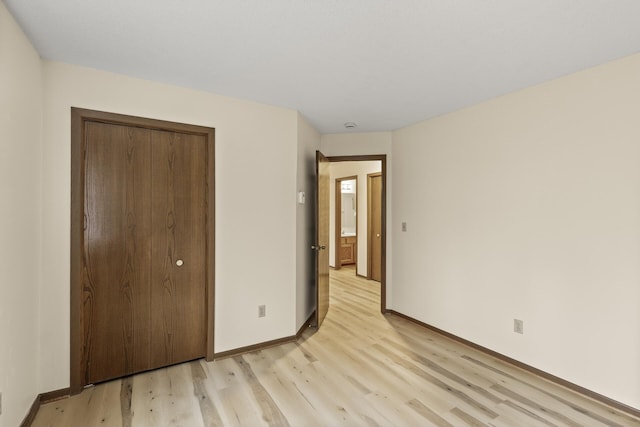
(518, 326)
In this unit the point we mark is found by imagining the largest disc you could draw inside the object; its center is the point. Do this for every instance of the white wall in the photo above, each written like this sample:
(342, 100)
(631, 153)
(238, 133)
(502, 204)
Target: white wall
(308, 143)
(256, 164)
(356, 144)
(528, 206)
(341, 170)
(20, 218)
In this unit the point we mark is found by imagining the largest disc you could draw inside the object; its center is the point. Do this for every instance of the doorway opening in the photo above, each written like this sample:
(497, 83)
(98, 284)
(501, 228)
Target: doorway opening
(355, 221)
(326, 229)
(369, 263)
(346, 222)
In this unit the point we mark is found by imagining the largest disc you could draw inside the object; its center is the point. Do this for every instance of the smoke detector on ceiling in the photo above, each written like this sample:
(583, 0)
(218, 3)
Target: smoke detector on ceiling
(350, 125)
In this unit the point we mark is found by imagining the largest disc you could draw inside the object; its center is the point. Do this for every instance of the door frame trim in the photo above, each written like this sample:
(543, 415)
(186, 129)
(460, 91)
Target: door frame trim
(79, 117)
(383, 268)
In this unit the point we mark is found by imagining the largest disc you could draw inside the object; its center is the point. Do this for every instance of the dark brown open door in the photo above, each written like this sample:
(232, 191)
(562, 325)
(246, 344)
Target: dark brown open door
(322, 237)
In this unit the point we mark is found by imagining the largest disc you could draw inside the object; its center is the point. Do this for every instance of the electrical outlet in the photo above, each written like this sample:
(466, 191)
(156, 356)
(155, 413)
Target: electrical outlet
(262, 310)
(518, 326)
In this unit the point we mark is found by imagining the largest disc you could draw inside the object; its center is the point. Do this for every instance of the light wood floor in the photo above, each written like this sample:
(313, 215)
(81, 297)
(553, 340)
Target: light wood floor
(360, 368)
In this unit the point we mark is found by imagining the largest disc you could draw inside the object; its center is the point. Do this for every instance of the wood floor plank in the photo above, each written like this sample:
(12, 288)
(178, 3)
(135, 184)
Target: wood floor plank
(105, 407)
(238, 407)
(393, 409)
(291, 400)
(224, 373)
(529, 414)
(427, 413)
(446, 388)
(533, 405)
(150, 396)
(126, 396)
(328, 404)
(210, 415)
(404, 387)
(361, 368)
(467, 419)
(426, 363)
(270, 411)
(600, 413)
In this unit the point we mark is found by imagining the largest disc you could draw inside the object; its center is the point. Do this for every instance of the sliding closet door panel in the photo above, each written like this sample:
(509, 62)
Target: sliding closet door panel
(179, 167)
(117, 262)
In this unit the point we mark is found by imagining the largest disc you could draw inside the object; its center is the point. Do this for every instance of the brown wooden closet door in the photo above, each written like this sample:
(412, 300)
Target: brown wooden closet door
(117, 252)
(178, 251)
(144, 253)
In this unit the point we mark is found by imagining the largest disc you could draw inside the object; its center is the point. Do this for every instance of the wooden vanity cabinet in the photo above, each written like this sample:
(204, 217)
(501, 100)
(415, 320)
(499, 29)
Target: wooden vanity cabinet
(348, 250)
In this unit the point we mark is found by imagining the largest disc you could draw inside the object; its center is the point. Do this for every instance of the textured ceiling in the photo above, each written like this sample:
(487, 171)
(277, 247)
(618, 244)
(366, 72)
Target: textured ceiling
(383, 64)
